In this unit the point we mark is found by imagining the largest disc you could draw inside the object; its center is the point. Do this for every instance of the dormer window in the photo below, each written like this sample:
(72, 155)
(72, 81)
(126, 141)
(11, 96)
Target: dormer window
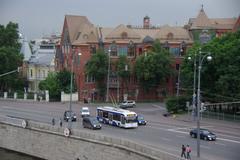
(85, 36)
(78, 35)
(170, 35)
(124, 35)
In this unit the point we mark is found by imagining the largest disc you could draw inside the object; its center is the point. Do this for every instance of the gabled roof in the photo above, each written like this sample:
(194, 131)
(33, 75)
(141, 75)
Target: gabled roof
(86, 33)
(123, 32)
(201, 21)
(176, 34)
(74, 23)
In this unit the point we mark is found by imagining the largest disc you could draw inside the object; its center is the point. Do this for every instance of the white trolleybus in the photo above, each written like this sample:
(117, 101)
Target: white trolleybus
(117, 117)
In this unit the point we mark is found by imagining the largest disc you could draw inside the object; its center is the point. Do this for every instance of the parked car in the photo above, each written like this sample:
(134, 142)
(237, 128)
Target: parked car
(204, 134)
(140, 120)
(85, 111)
(69, 115)
(91, 122)
(127, 104)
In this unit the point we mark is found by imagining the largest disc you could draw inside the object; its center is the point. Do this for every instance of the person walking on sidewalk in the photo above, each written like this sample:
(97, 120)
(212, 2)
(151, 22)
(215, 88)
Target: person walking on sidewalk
(60, 122)
(188, 150)
(183, 154)
(53, 121)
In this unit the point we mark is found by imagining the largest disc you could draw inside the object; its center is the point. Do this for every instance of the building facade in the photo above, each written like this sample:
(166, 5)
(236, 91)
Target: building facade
(79, 35)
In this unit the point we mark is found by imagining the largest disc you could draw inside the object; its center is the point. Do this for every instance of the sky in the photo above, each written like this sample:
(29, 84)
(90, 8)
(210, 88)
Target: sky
(37, 18)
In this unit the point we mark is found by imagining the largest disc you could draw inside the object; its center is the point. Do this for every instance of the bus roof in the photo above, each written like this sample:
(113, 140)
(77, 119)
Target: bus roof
(116, 110)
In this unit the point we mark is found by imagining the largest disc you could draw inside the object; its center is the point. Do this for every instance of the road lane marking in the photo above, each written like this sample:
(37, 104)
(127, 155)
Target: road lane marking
(221, 144)
(179, 136)
(166, 139)
(206, 147)
(229, 140)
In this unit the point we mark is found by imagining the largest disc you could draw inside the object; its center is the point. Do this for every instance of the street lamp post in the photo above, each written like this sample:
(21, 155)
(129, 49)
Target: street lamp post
(200, 61)
(194, 87)
(71, 86)
(107, 95)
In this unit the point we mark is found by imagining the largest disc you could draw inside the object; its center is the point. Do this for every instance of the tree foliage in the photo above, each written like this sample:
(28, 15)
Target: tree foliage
(51, 83)
(220, 78)
(153, 68)
(57, 82)
(122, 63)
(10, 58)
(97, 67)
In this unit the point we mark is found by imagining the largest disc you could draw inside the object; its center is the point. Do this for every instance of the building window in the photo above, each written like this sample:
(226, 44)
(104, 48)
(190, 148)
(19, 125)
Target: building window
(79, 33)
(31, 73)
(175, 51)
(122, 51)
(93, 49)
(113, 49)
(170, 35)
(89, 79)
(177, 67)
(124, 35)
(131, 49)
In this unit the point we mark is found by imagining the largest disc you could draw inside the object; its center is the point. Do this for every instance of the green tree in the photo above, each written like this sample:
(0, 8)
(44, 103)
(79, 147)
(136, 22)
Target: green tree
(10, 58)
(97, 67)
(64, 79)
(51, 83)
(154, 68)
(220, 78)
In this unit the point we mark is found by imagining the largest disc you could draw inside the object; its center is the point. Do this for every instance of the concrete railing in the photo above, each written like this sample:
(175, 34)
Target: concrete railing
(75, 146)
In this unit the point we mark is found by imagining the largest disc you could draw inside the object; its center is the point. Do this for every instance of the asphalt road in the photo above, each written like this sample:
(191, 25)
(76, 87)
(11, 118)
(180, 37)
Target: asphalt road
(165, 133)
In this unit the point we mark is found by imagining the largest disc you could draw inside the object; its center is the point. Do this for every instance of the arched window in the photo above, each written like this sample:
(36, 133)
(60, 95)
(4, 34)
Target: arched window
(124, 35)
(131, 49)
(170, 35)
(113, 49)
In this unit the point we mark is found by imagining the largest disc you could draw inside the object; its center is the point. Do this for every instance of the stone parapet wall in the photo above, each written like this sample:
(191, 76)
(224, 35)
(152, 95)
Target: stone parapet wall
(48, 142)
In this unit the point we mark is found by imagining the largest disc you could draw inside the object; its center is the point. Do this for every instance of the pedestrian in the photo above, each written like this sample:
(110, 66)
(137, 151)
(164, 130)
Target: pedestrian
(53, 121)
(60, 122)
(188, 150)
(183, 154)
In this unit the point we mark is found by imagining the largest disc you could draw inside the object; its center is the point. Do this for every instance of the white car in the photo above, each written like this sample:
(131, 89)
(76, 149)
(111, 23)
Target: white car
(127, 104)
(85, 112)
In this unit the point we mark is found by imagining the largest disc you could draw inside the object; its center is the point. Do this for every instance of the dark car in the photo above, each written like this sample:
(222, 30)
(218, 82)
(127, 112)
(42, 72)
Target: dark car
(204, 134)
(140, 120)
(91, 122)
(69, 115)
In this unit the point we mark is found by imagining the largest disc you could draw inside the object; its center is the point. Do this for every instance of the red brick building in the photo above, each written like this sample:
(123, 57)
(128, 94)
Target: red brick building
(79, 35)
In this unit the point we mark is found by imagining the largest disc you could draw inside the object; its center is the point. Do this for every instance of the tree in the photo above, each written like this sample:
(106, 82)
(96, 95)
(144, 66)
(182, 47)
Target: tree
(220, 80)
(64, 79)
(10, 57)
(97, 67)
(57, 82)
(153, 68)
(123, 70)
(51, 83)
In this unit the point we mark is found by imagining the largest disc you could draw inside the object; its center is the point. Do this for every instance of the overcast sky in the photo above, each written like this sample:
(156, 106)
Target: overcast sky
(43, 17)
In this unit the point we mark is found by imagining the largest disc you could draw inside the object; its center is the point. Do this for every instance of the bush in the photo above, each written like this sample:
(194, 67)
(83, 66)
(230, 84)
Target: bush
(177, 104)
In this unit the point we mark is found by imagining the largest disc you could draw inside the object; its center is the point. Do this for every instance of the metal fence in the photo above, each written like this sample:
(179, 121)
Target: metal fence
(229, 111)
(221, 116)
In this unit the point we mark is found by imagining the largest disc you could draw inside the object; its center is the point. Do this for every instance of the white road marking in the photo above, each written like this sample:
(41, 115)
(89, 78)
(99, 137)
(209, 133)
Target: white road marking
(228, 140)
(166, 139)
(203, 146)
(179, 136)
(221, 144)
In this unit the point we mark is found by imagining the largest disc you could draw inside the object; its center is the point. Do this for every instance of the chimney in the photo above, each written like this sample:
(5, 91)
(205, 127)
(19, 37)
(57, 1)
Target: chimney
(146, 22)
